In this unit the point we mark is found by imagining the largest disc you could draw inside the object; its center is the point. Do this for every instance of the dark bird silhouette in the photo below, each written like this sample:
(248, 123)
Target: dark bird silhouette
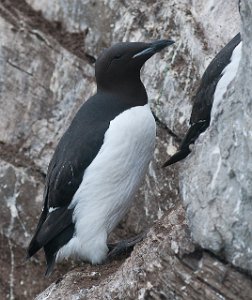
(99, 162)
(204, 98)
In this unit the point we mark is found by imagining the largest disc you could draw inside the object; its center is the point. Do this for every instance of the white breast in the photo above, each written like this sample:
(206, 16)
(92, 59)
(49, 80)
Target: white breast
(228, 75)
(110, 183)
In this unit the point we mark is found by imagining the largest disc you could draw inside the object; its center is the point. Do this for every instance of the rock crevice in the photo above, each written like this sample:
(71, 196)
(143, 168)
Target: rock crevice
(46, 72)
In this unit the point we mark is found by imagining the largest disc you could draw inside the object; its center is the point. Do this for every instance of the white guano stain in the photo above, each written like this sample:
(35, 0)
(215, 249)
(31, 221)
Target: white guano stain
(216, 152)
(11, 204)
(228, 75)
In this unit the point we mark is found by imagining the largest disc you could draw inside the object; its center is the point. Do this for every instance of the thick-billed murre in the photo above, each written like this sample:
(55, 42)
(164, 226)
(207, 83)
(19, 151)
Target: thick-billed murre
(214, 82)
(100, 161)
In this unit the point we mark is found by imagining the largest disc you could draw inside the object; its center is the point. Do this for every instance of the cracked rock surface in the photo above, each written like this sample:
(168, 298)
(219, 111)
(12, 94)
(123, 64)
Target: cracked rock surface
(47, 55)
(220, 215)
(166, 266)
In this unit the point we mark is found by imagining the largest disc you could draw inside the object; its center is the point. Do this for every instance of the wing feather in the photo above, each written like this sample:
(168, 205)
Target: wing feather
(74, 153)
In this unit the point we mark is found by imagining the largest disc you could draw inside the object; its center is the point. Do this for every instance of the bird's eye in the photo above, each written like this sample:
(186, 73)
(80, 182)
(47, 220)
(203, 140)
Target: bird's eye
(117, 56)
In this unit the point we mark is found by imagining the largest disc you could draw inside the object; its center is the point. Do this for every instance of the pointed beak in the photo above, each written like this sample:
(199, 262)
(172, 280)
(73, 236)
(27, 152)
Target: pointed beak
(153, 48)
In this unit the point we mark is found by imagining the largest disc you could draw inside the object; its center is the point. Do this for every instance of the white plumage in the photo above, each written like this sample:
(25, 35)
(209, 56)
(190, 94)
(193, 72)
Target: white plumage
(228, 74)
(110, 183)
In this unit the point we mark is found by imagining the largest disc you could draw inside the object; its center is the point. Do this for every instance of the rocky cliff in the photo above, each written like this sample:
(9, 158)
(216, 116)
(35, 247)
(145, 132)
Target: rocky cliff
(199, 245)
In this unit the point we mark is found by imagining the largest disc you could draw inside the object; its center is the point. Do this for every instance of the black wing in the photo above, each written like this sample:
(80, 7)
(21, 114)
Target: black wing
(74, 153)
(203, 100)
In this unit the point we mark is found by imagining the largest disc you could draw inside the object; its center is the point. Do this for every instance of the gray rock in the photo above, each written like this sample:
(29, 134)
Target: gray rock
(165, 266)
(216, 179)
(86, 16)
(43, 82)
(45, 75)
(41, 86)
(197, 38)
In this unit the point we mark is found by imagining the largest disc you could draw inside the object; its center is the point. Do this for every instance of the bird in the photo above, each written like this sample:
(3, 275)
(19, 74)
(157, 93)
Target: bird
(219, 72)
(100, 161)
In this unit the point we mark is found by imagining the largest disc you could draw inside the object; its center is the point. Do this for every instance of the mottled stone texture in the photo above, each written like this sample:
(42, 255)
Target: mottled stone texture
(165, 266)
(47, 50)
(216, 179)
(41, 85)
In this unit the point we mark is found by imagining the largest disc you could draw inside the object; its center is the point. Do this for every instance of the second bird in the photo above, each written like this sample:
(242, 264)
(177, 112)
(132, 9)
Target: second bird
(100, 161)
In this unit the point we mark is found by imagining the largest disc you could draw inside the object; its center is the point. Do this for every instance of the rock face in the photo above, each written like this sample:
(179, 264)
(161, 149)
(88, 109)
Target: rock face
(47, 52)
(219, 209)
(165, 266)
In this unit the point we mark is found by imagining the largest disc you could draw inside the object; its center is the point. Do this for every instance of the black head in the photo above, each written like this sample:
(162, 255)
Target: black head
(118, 67)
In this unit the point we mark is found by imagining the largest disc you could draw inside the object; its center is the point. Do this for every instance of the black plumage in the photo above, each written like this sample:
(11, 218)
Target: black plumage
(74, 153)
(203, 100)
(119, 88)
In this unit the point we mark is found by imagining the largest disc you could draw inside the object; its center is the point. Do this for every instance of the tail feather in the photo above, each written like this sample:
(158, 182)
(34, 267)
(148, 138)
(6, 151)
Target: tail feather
(193, 133)
(184, 150)
(54, 245)
(181, 154)
(33, 248)
(49, 227)
(50, 261)
(34, 245)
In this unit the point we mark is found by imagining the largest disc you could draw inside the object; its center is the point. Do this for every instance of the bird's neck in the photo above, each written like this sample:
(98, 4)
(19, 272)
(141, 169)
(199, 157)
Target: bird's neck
(131, 92)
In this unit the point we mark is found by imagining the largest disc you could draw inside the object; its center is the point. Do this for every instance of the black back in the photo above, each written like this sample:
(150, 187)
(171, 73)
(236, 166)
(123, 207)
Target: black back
(74, 153)
(119, 87)
(203, 100)
(79, 146)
